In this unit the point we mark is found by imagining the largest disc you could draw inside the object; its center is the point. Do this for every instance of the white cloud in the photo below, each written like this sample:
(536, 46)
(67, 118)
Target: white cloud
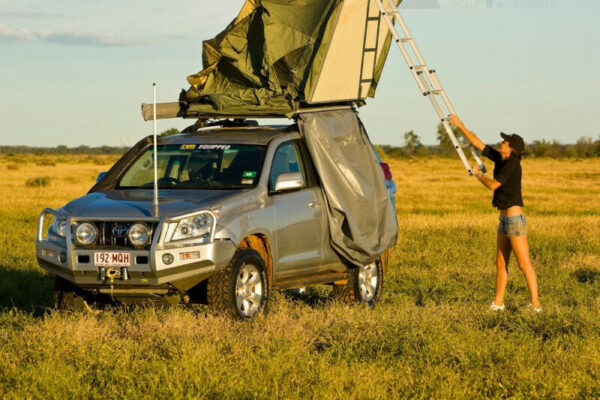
(8, 34)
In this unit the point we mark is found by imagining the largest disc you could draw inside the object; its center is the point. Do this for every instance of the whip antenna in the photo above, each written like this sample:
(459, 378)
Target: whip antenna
(155, 156)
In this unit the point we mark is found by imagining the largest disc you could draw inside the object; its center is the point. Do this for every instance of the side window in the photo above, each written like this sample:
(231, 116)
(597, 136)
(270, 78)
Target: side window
(286, 159)
(310, 173)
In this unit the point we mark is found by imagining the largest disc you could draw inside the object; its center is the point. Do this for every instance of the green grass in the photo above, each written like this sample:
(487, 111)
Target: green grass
(430, 337)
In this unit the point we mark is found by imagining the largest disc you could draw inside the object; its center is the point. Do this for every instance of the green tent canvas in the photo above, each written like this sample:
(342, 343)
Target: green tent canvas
(278, 56)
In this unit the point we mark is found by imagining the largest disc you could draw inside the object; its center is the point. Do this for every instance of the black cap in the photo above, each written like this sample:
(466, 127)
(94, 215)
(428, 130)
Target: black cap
(515, 142)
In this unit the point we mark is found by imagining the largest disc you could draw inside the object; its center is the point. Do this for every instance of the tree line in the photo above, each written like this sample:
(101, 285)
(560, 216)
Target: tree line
(62, 149)
(585, 147)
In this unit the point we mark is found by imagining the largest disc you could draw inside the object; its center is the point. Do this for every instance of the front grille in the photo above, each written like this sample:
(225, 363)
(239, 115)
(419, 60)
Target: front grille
(114, 234)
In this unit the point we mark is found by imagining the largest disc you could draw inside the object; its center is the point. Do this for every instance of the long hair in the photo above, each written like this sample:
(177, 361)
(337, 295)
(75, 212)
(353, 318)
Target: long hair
(514, 154)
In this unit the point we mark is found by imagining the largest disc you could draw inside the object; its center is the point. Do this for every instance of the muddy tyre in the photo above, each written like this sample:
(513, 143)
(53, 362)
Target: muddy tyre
(364, 285)
(241, 289)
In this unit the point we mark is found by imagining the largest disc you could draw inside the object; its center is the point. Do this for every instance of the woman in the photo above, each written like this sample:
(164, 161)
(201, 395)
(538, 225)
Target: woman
(512, 230)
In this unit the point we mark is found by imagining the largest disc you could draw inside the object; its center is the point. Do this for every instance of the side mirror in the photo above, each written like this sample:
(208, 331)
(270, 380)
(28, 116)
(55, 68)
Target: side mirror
(289, 181)
(100, 176)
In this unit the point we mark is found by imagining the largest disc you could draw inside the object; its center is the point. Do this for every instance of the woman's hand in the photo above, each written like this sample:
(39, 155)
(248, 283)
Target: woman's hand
(474, 140)
(453, 120)
(476, 170)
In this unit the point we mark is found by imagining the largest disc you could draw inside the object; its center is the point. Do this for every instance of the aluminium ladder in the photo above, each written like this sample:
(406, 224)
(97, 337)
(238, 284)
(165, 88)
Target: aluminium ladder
(426, 78)
(369, 50)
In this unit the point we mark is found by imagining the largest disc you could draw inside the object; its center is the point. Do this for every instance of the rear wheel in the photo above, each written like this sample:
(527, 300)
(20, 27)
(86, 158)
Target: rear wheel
(241, 289)
(364, 285)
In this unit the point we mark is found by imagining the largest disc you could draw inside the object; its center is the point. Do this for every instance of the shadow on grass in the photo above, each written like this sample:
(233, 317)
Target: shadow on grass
(25, 289)
(587, 275)
(313, 297)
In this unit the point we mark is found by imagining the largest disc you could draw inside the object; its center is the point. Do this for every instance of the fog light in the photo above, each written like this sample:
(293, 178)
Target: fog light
(168, 258)
(62, 257)
(48, 253)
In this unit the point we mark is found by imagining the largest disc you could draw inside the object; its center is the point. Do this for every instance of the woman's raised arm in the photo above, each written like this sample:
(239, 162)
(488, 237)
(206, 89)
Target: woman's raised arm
(471, 137)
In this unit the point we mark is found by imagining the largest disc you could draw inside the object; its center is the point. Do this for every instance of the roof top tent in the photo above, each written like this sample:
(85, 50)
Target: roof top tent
(279, 56)
(286, 58)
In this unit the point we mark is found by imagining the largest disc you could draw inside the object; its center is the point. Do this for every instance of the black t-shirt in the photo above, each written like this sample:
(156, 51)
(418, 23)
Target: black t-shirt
(508, 172)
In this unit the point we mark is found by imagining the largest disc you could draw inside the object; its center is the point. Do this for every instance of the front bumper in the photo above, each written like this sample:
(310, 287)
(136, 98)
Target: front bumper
(147, 271)
(212, 258)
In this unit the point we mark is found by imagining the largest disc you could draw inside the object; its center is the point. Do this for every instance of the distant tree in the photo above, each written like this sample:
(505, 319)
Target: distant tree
(539, 148)
(391, 151)
(169, 132)
(585, 147)
(570, 151)
(545, 148)
(422, 151)
(557, 150)
(446, 145)
(412, 143)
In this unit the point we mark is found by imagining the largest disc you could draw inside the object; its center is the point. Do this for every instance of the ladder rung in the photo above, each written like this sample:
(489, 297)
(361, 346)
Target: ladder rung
(404, 40)
(393, 12)
(372, 18)
(366, 80)
(436, 92)
(370, 49)
(418, 66)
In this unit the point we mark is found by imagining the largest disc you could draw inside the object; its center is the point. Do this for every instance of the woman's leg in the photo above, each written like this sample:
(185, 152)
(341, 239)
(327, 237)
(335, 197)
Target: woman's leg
(520, 245)
(502, 256)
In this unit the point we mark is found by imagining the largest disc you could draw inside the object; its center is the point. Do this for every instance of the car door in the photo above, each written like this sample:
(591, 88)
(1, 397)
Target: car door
(299, 216)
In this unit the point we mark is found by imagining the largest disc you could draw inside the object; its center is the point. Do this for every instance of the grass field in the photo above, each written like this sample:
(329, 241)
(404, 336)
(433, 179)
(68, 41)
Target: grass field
(431, 336)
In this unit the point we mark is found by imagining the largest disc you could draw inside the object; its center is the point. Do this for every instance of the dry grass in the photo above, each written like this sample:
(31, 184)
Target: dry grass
(431, 336)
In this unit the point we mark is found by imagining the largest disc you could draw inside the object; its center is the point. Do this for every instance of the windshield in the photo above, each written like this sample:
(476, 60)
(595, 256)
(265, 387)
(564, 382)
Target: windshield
(197, 166)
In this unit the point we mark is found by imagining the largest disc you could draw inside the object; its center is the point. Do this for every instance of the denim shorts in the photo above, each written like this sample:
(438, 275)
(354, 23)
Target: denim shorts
(513, 226)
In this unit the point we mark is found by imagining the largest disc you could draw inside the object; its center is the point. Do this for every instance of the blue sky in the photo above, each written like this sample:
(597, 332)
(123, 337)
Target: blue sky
(75, 72)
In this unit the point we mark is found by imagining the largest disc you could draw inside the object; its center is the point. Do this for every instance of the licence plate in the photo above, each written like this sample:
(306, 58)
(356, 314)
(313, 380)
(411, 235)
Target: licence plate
(112, 259)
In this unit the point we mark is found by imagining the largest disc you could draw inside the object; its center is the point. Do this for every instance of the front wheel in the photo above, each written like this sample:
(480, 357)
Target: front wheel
(241, 288)
(364, 285)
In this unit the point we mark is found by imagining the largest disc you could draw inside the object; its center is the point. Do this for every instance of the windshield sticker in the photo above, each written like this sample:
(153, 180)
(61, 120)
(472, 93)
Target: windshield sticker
(249, 174)
(247, 181)
(214, 147)
(187, 147)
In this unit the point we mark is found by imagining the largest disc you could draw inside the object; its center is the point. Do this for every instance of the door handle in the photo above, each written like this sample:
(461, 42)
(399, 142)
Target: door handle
(314, 203)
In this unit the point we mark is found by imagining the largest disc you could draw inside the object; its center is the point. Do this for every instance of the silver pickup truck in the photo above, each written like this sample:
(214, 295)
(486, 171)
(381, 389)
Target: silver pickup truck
(241, 214)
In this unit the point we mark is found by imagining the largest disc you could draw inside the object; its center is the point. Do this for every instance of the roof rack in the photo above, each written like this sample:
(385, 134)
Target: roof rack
(225, 123)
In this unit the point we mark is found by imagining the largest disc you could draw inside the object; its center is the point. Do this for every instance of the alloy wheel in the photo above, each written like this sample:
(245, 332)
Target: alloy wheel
(249, 290)
(367, 281)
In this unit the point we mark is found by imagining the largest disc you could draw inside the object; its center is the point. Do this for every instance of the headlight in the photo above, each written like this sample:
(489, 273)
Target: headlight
(192, 227)
(139, 234)
(59, 226)
(86, 234)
